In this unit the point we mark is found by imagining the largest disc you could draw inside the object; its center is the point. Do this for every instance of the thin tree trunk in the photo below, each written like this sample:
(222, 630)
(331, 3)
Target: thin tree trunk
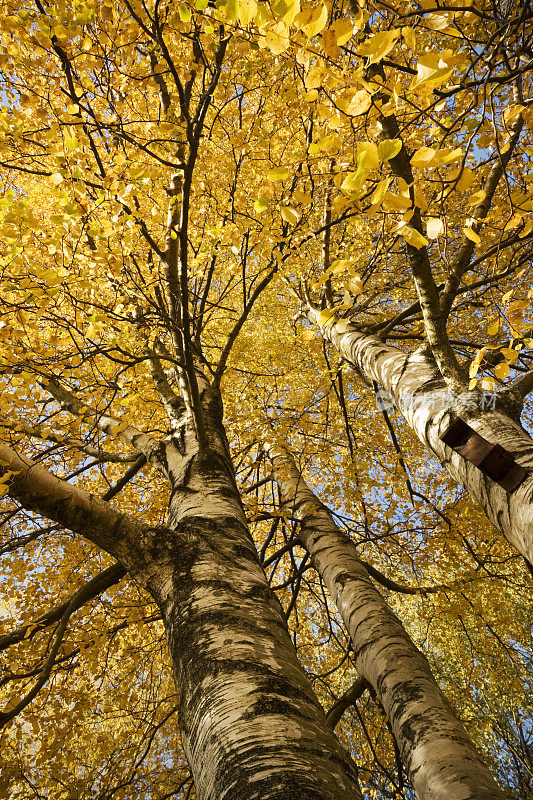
(438, 755)
(423, 400)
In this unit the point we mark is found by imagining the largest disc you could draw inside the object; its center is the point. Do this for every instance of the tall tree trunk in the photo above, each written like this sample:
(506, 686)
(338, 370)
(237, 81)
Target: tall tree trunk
(439, 757)
(250, 724)
(422, 398)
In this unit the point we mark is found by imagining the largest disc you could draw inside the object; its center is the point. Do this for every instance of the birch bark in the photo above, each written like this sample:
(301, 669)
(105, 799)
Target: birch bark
(423, 399)
(439, 757)
(250, 724)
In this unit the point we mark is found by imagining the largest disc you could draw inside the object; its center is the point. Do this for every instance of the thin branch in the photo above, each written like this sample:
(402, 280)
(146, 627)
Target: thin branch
(462, 261)
(100, 583)
(349, 698)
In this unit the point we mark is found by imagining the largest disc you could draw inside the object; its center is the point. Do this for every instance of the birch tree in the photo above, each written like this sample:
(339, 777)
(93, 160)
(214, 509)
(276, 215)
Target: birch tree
(438, 756)
(169, 176)
(444, 140)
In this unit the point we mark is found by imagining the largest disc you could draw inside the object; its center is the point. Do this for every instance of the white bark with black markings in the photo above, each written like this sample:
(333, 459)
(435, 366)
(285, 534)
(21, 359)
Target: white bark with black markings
(250, 724)
(438, 755)
(420, 396)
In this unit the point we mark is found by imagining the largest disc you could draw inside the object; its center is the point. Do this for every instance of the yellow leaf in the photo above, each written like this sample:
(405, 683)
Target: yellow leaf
(355, 285)
(466, 180)
(514, 222)
(354, 103)
(343, 30)
(502, 371)
(116, 430)
(438, 22)
(289, 215)
(328, 144)
(247, 11)
(56, 179)
(425, 157)
(447, 156)
(389, 149)
(472, 235)
(371, 154)
(380, 190)
(313, 20)
(511, 114)
(494, 328)
(378, 45)
(311, 95)
(477, 198)
(277, 38)
(434, 227)
(261, 204)
(287, 9)
(413, 237)
(307, 335)
(351, 183)
(232, 9)
(472, 384)
(431, 73)
(329, 42)
(488, 384)
(315, 77)
(278, 174)
(510, 354)
(397, 201)
(325, 316)
(353, 180)
(334, 122)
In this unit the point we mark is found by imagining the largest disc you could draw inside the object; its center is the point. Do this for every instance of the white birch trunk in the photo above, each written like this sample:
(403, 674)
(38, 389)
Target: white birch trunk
(250, 724)
(421, 397)
(440, 759)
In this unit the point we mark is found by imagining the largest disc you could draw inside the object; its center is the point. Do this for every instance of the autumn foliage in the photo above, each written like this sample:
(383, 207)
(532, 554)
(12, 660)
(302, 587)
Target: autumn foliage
(192, 194)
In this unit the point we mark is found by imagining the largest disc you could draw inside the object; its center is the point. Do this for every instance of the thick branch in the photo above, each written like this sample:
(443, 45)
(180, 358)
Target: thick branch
(434, 322)
(104, 580)
(429, 407)
(144, 444)
(349, 698)
(40, 491)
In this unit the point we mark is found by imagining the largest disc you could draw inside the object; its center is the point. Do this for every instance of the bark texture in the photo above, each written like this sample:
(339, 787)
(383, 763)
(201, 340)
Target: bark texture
(439, 757)
(250, 724)
(422, 398)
